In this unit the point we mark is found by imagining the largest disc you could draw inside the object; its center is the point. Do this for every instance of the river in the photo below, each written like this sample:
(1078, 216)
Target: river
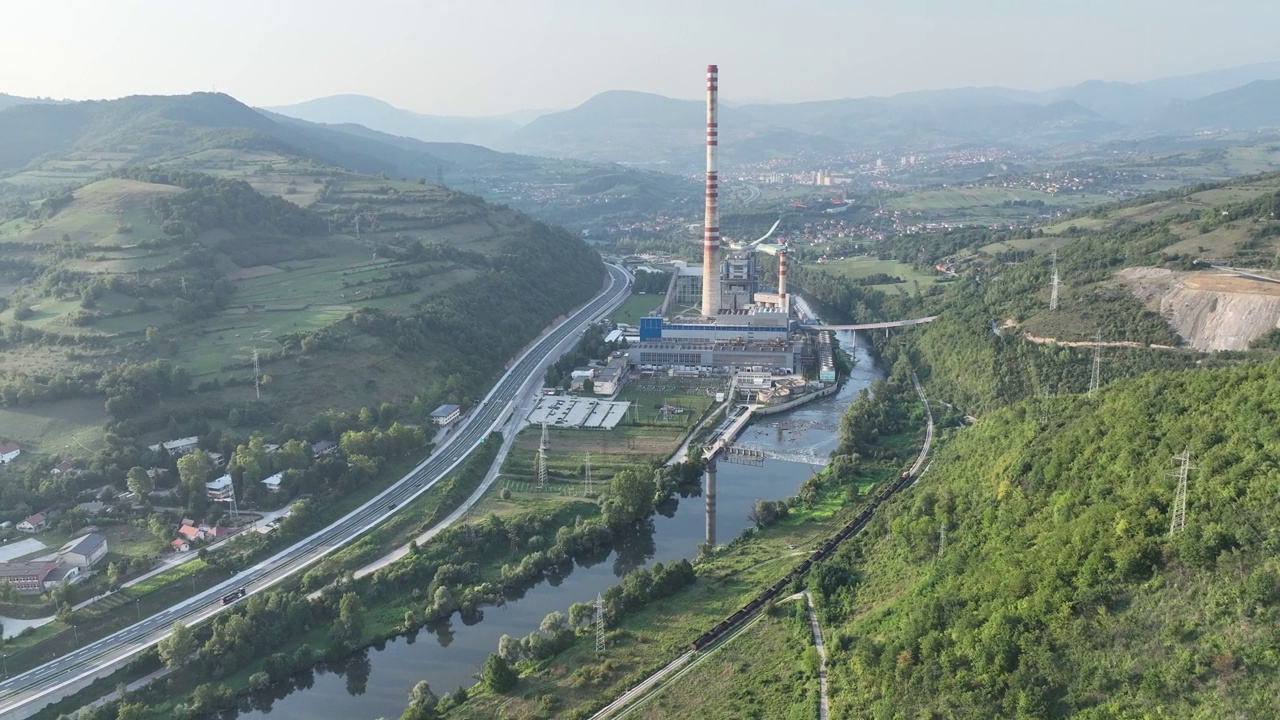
(376, 683)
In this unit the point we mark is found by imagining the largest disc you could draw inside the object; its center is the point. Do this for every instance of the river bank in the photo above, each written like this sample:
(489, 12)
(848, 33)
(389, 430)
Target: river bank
(449, 654)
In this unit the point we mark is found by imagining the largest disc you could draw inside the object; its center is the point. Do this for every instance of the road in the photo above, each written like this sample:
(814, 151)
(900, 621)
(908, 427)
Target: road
(25, 694)
(823, 711)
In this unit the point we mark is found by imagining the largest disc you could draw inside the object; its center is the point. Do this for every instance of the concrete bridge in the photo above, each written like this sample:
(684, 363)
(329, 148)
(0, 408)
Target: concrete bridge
(874, 326)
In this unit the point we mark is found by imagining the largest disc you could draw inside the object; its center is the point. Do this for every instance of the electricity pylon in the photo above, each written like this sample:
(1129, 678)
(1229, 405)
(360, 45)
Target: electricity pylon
(1095, 381)
(587, 470)
(542, 458)
(599, 624)
(1178, 519)
(1053, 293)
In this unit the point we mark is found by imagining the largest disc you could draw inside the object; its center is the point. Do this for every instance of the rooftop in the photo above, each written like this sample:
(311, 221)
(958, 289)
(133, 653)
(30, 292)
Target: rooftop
(444, 411)
(85, 545)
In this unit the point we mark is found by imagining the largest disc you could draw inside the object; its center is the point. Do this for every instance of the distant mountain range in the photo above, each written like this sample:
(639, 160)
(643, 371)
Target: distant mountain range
(47, 143)
(644, 129)
(647, 129)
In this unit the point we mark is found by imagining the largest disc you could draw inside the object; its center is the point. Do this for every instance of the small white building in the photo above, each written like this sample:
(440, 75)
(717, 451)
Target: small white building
(445, 414)
(181, 446)
(611, 377)
(9, 452)
(273, 482)
(219, 489)
(180, 546)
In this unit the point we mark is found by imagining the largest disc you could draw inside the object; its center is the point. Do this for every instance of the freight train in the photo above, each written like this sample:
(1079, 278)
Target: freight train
(798, 571)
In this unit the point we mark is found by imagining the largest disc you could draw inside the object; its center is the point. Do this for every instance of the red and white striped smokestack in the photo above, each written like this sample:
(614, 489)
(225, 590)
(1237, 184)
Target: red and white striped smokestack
(711, 223)
(782, 275)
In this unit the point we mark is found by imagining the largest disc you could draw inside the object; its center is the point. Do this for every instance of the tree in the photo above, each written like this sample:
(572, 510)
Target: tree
(259, 681)
(422, 702)
(140, 483)
(179, 647)
(588, 386)
(631, 495)
(133, 711)
(349, 627)
(509, 648)
(498, 675)
(194, 469)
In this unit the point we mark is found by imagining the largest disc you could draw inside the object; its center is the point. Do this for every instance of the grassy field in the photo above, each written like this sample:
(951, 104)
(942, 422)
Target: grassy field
(649, 638)
(1037, 245)
(862, 266)
(769, 671)
(59, 427)
(636, 307)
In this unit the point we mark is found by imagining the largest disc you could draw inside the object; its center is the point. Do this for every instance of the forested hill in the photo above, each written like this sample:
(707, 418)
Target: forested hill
(1059, 591)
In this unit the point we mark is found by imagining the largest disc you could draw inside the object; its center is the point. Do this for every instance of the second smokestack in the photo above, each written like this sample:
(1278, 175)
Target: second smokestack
(711, 223)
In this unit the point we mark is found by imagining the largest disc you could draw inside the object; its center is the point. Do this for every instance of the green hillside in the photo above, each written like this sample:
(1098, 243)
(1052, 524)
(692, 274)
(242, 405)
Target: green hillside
(136, 303)
(1059, 592)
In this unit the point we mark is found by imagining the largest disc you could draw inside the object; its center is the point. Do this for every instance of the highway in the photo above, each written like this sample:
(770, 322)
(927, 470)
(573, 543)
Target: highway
(25, 694)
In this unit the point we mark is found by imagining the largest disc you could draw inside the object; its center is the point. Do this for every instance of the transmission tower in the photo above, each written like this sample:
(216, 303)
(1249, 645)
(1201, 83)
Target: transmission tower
(257, 373)
(357, 226)
(542, 458)
(233, 510)
(587, 473)
(440, 175)
(184, 286)
(513, 539)
(942, 539)
(1044, 406)
(1178, 521)
(1053, 293)
(599, 624)
(1095, 381)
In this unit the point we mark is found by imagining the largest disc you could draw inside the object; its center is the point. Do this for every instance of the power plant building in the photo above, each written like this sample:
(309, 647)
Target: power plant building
(739, 327)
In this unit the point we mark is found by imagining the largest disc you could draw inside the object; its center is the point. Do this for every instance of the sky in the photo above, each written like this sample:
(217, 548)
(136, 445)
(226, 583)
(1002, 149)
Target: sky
(482, 57)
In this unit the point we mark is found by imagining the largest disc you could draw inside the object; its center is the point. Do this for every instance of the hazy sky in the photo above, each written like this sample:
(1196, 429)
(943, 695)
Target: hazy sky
(494, 56)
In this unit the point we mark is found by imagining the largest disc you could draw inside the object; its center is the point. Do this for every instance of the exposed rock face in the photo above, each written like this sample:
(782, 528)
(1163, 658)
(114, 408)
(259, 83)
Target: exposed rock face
(1211, 311)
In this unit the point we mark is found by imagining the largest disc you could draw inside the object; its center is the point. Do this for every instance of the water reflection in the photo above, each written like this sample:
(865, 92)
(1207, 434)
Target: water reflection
(461, 644)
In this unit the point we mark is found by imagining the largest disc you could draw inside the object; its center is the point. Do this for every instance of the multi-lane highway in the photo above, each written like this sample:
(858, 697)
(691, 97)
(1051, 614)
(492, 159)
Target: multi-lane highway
(25, 694)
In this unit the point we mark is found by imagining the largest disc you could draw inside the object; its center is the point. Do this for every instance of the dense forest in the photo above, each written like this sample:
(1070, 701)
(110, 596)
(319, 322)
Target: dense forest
(1059, 590)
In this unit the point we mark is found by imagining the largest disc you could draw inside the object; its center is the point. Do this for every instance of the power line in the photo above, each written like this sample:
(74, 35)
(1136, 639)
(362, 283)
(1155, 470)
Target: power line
(587, 471)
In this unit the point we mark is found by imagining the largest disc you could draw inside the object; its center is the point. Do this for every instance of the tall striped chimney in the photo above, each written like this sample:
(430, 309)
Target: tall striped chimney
(711, 223)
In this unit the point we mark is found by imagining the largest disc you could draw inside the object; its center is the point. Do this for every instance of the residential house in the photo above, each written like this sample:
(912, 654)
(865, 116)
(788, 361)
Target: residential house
(178, 447)
(180, 546)
(273, 482)
(84, 551)
(65, 467)
(217, 531)
(324, 447)
(34, 524)
(94, 507)
(190, 533)
(445, 414)
(9, 452)
(219, 489)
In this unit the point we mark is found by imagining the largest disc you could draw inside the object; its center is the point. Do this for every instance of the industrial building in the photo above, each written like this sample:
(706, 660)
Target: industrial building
(738, 325)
